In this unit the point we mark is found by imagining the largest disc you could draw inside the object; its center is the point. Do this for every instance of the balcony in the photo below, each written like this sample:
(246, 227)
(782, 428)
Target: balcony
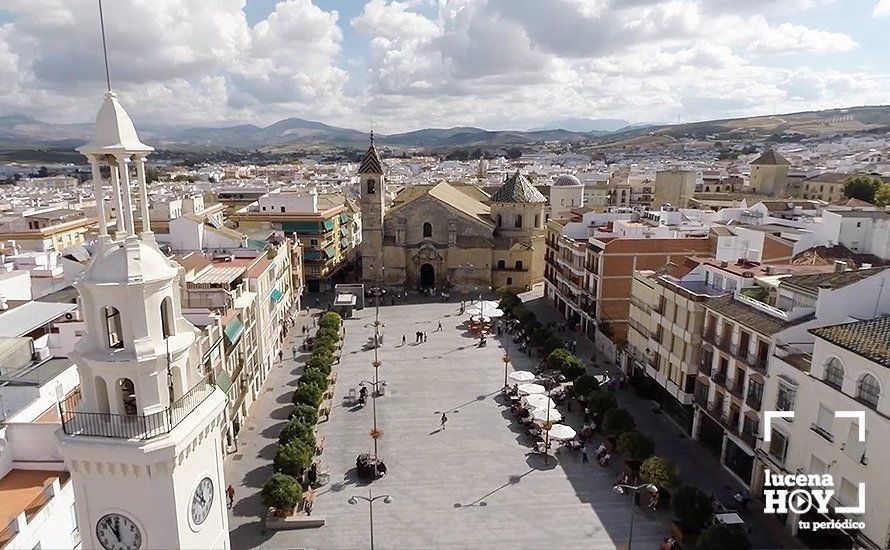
(754, 401)
(133, 426)
(719, 377)
(705, 368)
(701, 398)
(639, 304)
(735, 387)
(640, 328)
(749, 436)
(822, 432)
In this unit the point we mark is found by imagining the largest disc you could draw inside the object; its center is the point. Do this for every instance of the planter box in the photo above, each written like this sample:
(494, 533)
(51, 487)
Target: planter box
(296, 521)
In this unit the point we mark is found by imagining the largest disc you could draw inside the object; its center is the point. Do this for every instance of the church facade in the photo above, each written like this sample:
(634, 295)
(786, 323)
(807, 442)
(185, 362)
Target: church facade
(451, 236)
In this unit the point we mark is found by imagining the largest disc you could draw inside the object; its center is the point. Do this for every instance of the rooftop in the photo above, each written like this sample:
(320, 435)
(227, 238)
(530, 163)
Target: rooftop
(31, 316)
(833, 280)
(517, 188)
(771, 158)
(869, 339)
(751, 317)
(21, 489)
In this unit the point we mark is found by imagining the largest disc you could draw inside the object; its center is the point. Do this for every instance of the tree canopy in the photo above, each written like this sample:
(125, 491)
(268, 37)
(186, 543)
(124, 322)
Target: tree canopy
(862, 187)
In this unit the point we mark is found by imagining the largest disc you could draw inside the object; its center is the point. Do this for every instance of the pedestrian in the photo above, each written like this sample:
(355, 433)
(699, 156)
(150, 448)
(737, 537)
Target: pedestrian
(381, 338)
(230, 495)
(294, 351)
(424, 336)
(444, 420)
(404, 339)
(574, 346)
(653, 500)
(439, 327)
(280, 354)
(584, 458)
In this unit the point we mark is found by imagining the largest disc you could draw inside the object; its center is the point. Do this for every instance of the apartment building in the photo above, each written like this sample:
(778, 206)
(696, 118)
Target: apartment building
(54, 229)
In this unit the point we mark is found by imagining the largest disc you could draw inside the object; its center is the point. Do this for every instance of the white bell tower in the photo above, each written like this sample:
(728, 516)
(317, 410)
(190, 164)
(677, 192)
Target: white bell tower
(144, 444)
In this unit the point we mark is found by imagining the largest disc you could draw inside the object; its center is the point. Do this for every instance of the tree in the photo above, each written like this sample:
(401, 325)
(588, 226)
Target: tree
(585, 384)
(307, 414)
(42, 172)
(320, 363)
(862, 187)
(882, 197)
(295, 429)
(692, 507)
(572, 368)
(513, 153)
(293, 458)
(617, 421)
(152, 174)
(599, 402)
(283, 493)
(308, 394)
(315, 377)
(659, 471)
(558, 357)
(635, 446)
(722, 537)
(330, 319)
(553, 343)
(327, 333)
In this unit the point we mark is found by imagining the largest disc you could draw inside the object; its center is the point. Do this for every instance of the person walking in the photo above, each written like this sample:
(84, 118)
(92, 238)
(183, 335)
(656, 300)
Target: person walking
(444, 420)
(439, 328)
(293, 351)
(230, 495)
(424, 336)
(584, 458)
(404, 339)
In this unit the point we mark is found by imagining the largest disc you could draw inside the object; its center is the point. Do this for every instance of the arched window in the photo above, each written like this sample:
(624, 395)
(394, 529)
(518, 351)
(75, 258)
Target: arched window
(834, 373)
(869, 390)
(371, 187)
(499, 220)
(427, 230)
(114, 332)
(518, 264)
(537, 220)
(501, 264)
(167, 317)
(127, 391)
(518, 220)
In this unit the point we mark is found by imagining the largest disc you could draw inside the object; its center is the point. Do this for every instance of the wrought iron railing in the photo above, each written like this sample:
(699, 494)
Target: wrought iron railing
(133, 426)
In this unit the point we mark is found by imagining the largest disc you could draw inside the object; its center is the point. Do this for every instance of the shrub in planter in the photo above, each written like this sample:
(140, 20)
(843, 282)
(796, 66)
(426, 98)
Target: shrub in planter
(325, 345)
(721, 537)
(659, 471)
(327, 333)
(599, 402)
(315, 377)
(692, 508)
(295, 429)
(635, 446)
(617, 421)
(283, 493)
(557, 358)
(308, 394)
(330, 320)
(307, 414)
(293, 458)
(585, 384)
(320, 364)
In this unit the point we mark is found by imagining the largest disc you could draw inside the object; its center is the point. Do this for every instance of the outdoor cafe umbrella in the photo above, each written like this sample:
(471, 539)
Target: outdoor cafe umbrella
(542, 415)
(561, 432)
(528, 389)
(487, 308)
(521, 376)
(538, 401)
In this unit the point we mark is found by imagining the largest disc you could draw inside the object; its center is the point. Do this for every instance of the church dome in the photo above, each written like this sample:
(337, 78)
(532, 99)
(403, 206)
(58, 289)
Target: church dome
(122, 262)
(566, 180)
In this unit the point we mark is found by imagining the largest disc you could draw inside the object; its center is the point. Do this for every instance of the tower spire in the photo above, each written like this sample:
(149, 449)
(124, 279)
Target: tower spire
(104, 47)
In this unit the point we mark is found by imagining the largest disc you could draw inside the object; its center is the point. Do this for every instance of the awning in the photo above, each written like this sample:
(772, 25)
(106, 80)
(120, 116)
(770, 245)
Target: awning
(276, 295)
(312, 255)
(329, 224)
(257, 245)
(300, 227)
(343, 218)
(234, 329)
(223, 381)
(330, 251)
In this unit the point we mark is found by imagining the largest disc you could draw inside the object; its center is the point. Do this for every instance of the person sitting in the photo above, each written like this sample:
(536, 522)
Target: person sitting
(601, 450)
(604, 460)
(381, 469)
(363, 395)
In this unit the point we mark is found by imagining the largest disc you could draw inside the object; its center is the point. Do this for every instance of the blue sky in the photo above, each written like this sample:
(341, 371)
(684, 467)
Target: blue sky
(405, 65)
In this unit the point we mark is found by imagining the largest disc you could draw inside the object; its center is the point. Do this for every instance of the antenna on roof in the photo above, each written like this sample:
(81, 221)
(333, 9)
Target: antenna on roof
(104, 46)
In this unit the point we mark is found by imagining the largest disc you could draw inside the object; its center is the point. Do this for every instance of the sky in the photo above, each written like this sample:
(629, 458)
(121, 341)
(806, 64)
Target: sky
(397, 66)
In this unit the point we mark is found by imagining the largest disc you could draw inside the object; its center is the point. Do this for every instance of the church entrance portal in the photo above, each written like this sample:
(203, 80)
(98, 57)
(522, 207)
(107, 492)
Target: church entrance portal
(427, 276)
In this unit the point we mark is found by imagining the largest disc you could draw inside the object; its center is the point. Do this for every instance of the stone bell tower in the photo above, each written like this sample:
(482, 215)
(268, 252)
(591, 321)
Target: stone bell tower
(144, 444)
(373, 196)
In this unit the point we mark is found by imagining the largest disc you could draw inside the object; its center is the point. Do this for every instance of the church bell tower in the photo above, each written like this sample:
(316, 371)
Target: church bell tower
(144, 444)
(373, 195)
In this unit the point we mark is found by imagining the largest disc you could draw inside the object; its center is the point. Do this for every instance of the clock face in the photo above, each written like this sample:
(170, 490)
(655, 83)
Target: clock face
(118, 532)
(202, 500)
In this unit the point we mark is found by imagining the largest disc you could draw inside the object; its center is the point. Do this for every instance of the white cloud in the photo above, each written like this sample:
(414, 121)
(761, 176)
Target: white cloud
(789, 38)
(882, 9)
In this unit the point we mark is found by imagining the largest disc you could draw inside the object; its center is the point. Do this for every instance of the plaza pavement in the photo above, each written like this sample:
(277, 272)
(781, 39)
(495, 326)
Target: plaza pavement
(473, 485)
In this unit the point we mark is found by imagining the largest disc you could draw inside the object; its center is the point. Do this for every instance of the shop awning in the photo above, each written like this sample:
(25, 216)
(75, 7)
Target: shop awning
(330, 251)
(276, 295)
(234, 329)
(223, 381)
(300, 227)
(329, 224)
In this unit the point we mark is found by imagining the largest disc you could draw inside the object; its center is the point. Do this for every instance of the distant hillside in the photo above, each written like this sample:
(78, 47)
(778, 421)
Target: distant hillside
(584, 125)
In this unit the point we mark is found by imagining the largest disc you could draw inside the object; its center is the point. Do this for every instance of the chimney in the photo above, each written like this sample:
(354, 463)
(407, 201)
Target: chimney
(839, 266)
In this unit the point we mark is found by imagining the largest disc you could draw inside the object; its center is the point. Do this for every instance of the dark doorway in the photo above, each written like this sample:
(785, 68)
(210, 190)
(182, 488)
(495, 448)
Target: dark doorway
(427, 276)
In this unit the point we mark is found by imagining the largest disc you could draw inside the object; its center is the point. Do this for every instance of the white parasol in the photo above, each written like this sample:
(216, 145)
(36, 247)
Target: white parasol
(561, 432)
(529, 389)
(542, 415)
(538, 401)
(521, 376)
(486, 307)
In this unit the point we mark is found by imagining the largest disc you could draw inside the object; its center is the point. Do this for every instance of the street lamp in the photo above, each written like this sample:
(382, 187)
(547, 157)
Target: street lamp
(370, 500)
(506, 360)
(620, 488)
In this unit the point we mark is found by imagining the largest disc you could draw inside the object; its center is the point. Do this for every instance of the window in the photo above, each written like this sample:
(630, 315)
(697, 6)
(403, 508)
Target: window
(74, 528)
(167, 321)
(499, 220)
(538, 220)
(778, 445)
(834, 373)
(518, 264)
(113, 328)
(509, 281)
(849, 493)
(854, 448)
(427, 230)
(518, 223)
(869, 391)
(824, 422)
(282, 209)
(785, 399)
(313, 242)
(371, 187)
(755, 392)
(501, 264)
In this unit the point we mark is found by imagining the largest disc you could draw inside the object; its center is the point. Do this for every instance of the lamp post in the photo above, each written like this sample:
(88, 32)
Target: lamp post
(375, 432)
(620, 488)
(370, 500)
(506, 360)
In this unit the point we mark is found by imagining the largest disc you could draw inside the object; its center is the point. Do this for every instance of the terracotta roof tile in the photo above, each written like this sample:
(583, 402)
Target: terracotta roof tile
(869, 339)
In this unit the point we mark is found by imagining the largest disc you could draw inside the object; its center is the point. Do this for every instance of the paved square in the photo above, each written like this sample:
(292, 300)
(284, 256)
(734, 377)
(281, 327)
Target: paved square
(472, 485)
